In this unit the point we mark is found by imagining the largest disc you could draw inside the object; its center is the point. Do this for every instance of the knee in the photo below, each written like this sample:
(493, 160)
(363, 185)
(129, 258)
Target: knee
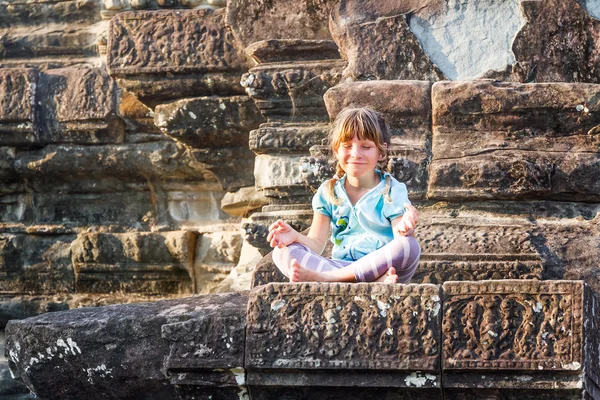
(411, 244)
(279, 256)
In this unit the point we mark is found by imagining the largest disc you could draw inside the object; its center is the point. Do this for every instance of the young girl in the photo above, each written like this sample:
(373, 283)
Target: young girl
(371, 217)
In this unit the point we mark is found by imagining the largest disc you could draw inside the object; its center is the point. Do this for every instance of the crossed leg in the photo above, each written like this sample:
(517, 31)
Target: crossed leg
(399, 258)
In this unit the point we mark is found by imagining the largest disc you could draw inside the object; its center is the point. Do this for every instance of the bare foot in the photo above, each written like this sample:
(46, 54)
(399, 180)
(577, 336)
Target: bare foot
(389, 277)
(300, 274)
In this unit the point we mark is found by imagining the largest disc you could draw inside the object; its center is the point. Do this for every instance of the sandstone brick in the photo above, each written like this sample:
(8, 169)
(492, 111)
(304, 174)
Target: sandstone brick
(134, 262)
(277, 171)
(571, 56)
(82, 107)
(35, 263)
(253, 21)
(292, 91)
(377, 42)
(532, 140)
(524, 327)
(209, 122)
(184, 48)
(276, 137)
(18, 110)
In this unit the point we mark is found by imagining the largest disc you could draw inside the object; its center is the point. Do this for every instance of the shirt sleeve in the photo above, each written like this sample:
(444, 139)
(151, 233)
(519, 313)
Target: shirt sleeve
(319, 201)
(399, 196)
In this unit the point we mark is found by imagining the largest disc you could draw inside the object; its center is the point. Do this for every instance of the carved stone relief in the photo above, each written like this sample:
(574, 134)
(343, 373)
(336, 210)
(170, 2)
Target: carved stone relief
(343, 326)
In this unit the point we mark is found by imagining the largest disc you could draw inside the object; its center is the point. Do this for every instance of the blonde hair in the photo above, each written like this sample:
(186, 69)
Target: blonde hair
(367, 124)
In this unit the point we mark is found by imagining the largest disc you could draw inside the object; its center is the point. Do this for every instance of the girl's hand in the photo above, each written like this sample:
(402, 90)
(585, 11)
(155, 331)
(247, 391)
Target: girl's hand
(406, 226)
(281, 234)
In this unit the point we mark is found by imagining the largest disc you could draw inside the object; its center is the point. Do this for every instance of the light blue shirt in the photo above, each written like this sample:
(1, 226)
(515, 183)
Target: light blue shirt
(360, 229)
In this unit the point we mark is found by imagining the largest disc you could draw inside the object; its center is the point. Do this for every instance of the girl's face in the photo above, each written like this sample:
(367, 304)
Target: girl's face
(358, 156)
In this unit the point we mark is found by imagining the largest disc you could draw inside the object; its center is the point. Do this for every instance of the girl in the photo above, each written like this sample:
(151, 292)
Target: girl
(371, 217)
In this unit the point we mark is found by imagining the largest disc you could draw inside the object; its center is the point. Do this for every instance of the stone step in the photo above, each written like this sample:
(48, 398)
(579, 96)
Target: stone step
(525, 339)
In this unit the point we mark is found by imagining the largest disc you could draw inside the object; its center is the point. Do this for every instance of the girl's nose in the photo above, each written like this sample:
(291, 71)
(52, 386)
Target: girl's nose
(355, 151)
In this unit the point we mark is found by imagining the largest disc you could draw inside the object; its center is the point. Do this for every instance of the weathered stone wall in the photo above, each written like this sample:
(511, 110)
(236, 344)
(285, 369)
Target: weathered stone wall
(114, 160)
(136, 137)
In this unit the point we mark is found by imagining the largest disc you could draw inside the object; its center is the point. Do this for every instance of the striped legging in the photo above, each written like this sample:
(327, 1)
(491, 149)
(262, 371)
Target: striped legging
(401, 253)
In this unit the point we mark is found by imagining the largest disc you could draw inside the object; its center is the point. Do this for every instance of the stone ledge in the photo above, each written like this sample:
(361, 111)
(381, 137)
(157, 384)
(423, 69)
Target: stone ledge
(315, 338)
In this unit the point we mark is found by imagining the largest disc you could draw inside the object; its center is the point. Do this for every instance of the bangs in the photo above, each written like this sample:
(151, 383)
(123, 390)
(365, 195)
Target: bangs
(364, 129)
(356, 122)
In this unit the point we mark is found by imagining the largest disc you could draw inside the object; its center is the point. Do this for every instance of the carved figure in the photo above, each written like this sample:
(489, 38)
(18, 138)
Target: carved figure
(369, 211)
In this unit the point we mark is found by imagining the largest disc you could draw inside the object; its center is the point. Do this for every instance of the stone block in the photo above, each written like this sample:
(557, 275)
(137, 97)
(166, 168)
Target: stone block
(405, 105)
(206, 353)
(215, 340)
(192, 54)
(253, 21)
(215, 256)
(41, 11)
(134, 262)
(81, 107)
(281, 50)
(343, 326)
(36, 263)
(531, 140)
(61, 43)
(516, 329)
(119, 351)
(243, 202)
(376, 40)
(209, 122)
(302, 329)
(566, 58)
(126, 162)
(476, 246)
(279, 137)
(18, 111)
(292, 90)
(232, 167)
(277, 171)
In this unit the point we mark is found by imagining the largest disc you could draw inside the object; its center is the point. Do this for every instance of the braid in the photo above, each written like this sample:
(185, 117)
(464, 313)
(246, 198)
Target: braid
(333, 199)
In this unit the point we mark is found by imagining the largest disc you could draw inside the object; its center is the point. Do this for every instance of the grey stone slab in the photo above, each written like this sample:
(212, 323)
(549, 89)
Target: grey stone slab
(115, 351)
(279, 137)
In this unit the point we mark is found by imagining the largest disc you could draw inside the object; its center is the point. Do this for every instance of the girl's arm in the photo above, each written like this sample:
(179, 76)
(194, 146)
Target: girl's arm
(406, 224)
(281, 234)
